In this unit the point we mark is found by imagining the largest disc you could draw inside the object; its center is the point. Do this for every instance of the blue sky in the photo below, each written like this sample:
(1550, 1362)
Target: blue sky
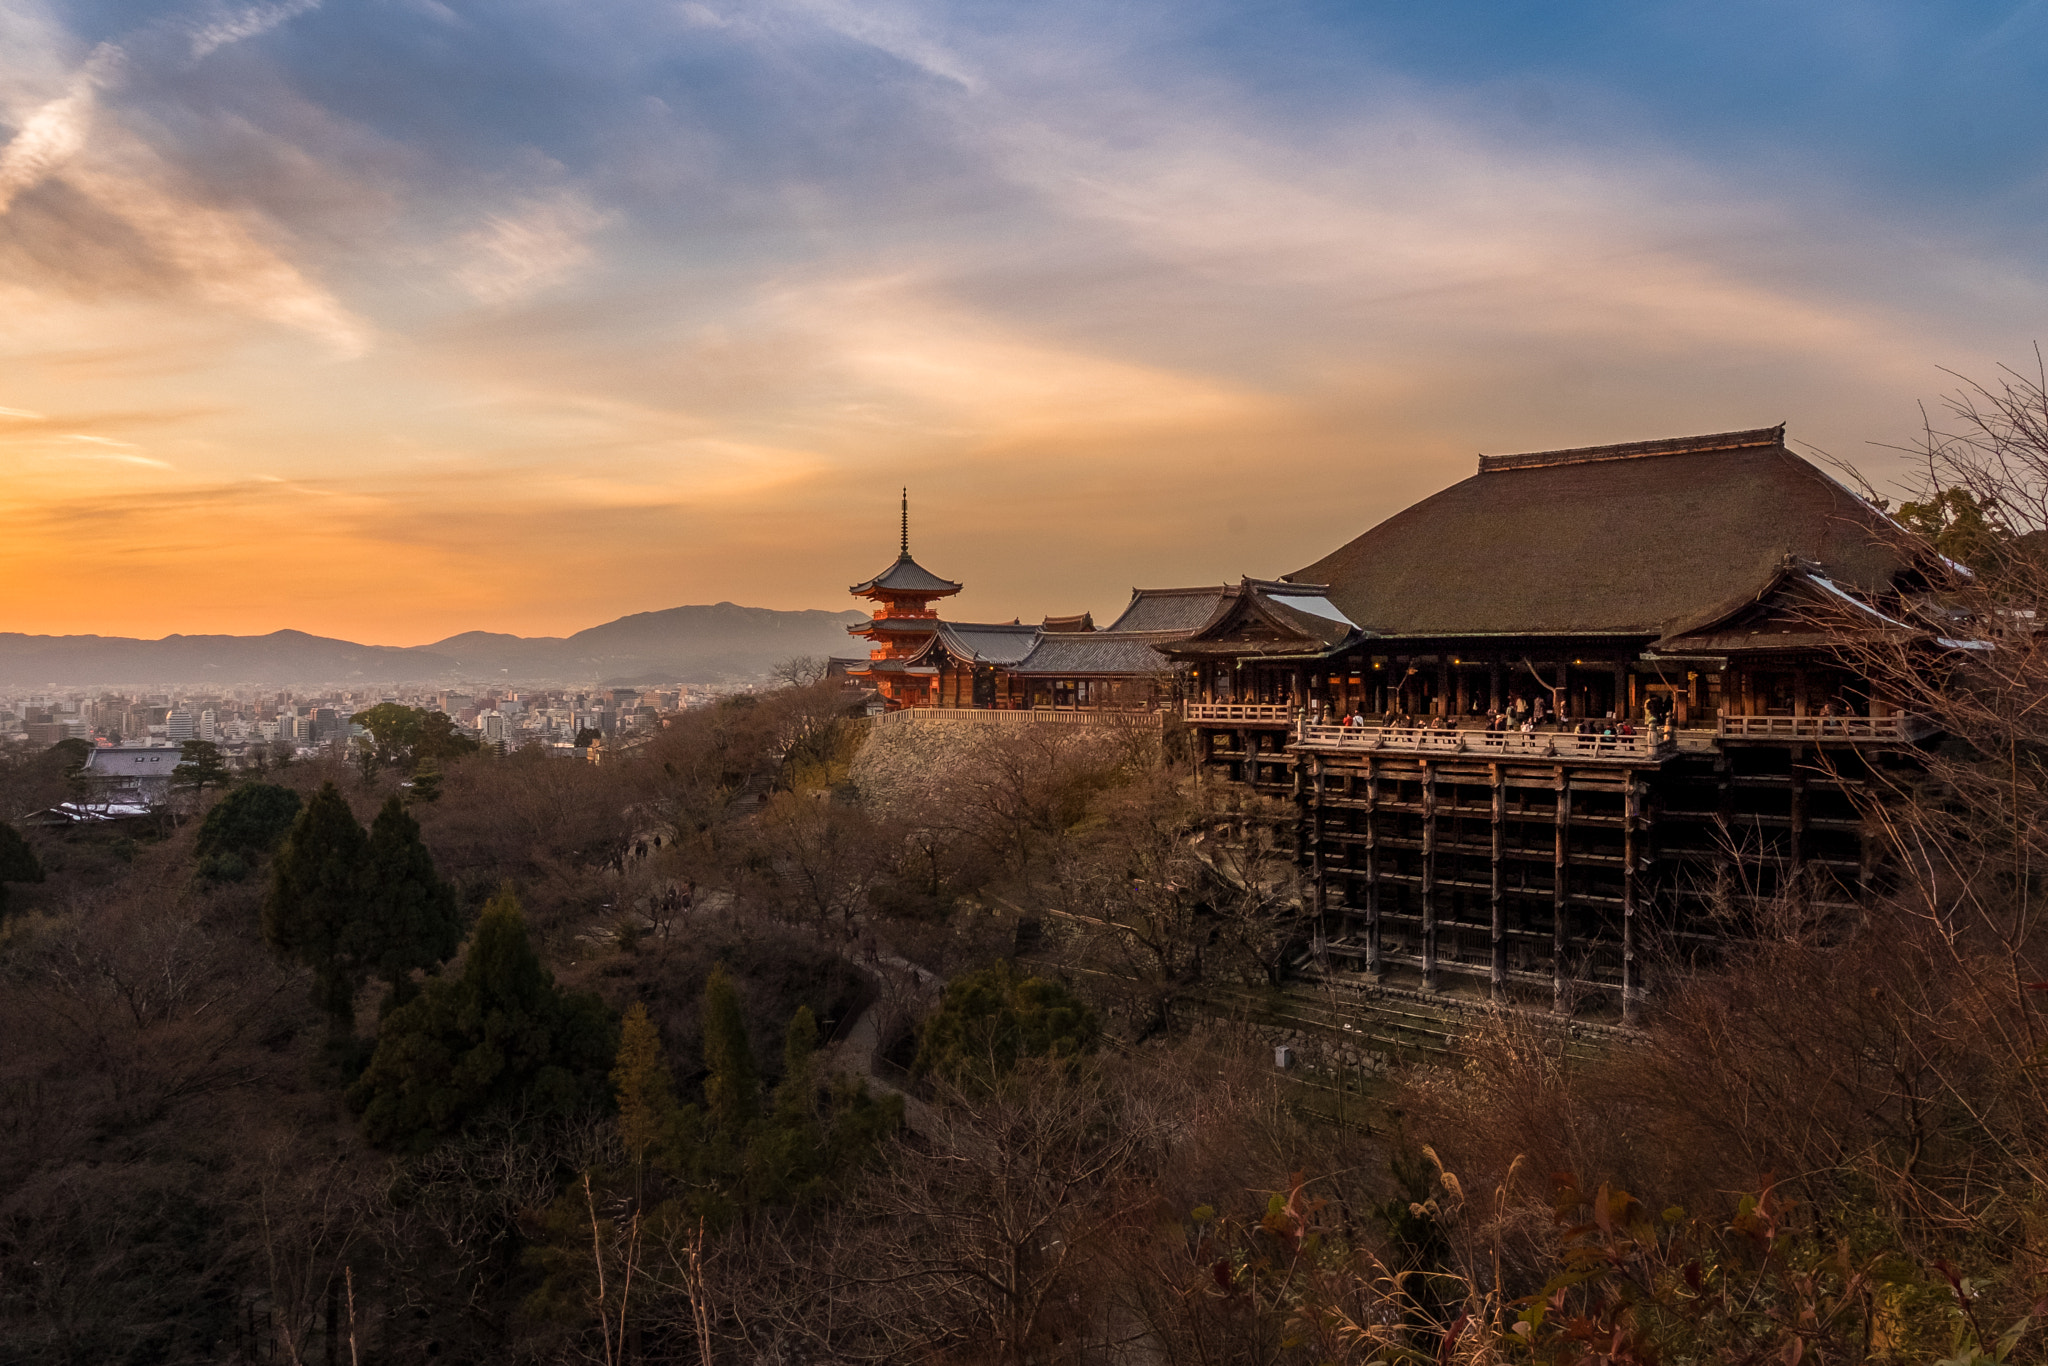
(523, 316)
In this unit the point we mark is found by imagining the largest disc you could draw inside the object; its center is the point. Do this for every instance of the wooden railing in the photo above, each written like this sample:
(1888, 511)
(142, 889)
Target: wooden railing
(1027, 716)
(1881, 730)
(1483, 744)
(1239, 711)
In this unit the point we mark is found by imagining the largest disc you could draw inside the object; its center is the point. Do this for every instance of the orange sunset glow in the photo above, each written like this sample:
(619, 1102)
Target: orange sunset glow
(449, 320)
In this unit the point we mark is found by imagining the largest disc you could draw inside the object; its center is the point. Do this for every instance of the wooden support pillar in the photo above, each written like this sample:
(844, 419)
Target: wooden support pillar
(1560, 901)
(1496, 696)
(1497, 971)
(1313, 841)
(1621, 706)
(1463, 691)
(1443, 687)
(1631, 983)
(1373, 961)
(1429, 982)
(1797, 853)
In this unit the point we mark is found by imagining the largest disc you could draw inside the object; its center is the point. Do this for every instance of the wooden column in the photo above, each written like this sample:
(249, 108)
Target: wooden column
(1559, 902)
(1498, 970)
(1496, 697)
(1373, 963)
(1443, 687)
(1314, 842)
(1463, 691)
(1797, 854)
(1429, 982)
(1621, 707)
(1631, 984)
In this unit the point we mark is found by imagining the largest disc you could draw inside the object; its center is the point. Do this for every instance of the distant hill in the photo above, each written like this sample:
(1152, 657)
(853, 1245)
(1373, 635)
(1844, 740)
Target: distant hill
(723, 642)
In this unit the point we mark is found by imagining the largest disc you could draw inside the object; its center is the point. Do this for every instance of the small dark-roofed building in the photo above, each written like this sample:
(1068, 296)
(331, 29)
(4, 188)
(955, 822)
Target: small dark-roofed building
(130, 774)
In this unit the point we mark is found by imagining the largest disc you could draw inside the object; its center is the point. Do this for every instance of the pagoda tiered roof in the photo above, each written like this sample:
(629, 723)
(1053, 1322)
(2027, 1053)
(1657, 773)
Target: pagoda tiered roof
(907, 576)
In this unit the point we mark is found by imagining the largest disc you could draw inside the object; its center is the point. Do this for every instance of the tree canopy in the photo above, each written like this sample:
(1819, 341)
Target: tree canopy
(405, 736)
(201, 766)
(18, 862)
(500, 1037)
(991, 1020)
(312, 899)
(249, 820)
(351, 905)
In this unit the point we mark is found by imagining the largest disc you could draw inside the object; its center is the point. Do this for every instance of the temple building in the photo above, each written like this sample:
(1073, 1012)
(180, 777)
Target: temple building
(1580, 702)
(1064, 663)
(902, 625)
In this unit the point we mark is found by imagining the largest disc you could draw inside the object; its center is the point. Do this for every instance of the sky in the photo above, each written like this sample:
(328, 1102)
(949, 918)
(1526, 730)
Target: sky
(390, 319)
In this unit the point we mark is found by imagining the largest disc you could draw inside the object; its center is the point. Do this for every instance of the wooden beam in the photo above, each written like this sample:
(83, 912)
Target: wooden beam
(1631, 984)
(1429, 982)
(1373, 961)
(1498, 951)
(1559, 901)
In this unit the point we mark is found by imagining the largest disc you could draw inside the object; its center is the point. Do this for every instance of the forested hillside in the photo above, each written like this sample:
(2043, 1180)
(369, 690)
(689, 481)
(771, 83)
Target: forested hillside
(779, 1041)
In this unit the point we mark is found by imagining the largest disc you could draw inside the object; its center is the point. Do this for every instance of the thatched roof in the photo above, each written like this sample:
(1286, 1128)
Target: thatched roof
(1604, 540)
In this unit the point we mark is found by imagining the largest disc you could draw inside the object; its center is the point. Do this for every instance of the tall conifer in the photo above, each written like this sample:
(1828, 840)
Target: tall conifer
(732, 1091)
(641, 1081)
(312, 900)
(407, 917)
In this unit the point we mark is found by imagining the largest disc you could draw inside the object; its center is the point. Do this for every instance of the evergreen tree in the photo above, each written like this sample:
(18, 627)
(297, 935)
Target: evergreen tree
(438, 739)
(312, 904)
(642, 1086)
(200, 766)
(426, 783)
(249, 820)
(991, 1020)
(406, 917)
(732, 1088)
(498, 1038)
(242, 827)
(18, 862)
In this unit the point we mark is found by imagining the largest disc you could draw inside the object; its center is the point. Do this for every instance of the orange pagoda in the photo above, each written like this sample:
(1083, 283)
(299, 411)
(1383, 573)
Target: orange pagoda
(902, 626)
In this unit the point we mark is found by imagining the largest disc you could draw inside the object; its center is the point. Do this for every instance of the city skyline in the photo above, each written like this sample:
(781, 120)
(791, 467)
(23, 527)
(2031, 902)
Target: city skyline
(390, 324)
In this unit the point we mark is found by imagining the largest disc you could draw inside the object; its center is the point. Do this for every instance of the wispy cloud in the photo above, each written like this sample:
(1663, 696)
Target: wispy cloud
(224, 25)
(106, 448)
(55, 132)
(538, 244)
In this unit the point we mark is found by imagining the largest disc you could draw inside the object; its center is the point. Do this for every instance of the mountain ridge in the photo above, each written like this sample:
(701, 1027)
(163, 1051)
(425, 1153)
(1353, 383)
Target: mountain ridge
(701, 643)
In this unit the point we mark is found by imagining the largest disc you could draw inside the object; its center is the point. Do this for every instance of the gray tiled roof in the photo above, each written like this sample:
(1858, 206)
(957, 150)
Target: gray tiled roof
(1098, 652)
(131, 762)
(1004, 643)
(1170, 609)
(907, 576)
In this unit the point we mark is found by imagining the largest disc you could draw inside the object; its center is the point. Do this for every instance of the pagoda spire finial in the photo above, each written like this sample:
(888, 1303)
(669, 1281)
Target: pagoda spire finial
(906, 523)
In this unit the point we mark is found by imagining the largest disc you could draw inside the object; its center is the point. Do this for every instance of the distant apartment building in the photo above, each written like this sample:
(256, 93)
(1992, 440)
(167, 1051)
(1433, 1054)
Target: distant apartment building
(45, 733)
(209, 724)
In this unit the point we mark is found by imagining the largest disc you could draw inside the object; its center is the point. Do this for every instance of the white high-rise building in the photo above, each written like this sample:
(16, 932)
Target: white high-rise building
(209, 725)
(178, 727)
